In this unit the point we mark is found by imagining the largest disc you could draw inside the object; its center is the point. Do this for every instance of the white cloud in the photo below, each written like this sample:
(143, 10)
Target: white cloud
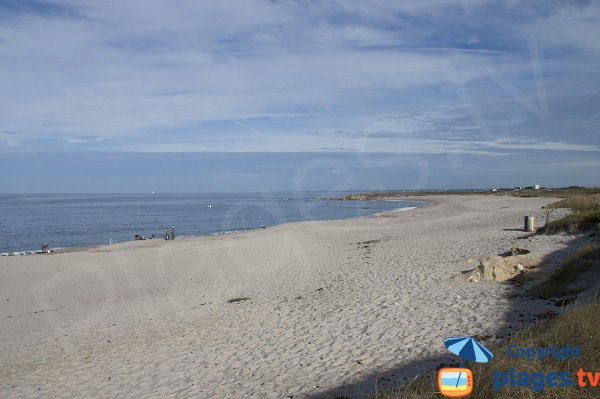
(570, 26)
(154, 75)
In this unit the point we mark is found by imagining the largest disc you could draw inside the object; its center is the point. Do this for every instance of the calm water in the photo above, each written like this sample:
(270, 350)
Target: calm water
(65, 220)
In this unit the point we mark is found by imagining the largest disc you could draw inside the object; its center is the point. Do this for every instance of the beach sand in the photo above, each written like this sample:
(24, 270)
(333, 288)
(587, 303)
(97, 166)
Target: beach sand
(342, 307)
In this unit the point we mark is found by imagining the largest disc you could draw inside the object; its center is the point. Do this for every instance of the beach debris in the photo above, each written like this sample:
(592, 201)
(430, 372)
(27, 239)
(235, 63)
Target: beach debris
(238, 299)
(139, 237)
(498, 268)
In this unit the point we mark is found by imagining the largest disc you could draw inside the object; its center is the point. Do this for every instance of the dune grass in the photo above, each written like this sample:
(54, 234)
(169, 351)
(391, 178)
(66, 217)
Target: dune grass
(585, 216)
(582, 203)
(573, 223)
(557, 285)
(577, 326)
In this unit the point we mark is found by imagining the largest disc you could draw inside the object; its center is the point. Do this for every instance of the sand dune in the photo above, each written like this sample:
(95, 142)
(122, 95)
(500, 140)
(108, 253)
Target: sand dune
(332, 305)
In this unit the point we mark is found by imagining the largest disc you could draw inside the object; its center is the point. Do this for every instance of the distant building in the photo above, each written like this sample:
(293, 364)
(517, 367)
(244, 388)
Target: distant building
(537, 187)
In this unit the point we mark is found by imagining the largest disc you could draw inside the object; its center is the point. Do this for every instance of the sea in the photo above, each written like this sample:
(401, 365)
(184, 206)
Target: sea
(81, 220)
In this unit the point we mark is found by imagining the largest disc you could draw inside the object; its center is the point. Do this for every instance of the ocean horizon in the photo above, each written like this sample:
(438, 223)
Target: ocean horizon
(83, 220)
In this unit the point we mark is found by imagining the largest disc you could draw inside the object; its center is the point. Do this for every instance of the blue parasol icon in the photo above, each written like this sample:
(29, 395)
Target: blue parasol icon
(469, 349)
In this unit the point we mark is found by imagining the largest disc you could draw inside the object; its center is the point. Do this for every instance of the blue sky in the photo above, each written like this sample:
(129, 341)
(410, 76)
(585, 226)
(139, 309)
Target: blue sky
(389, 95)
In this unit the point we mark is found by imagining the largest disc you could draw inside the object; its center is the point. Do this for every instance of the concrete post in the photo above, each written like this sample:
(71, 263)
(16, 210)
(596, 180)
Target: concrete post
(529, 223)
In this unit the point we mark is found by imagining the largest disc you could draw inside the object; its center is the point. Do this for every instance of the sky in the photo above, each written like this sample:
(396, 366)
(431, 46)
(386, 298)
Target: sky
(251, 95)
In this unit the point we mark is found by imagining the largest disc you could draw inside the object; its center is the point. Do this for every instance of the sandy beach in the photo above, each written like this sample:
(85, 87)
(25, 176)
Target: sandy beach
(343, 307)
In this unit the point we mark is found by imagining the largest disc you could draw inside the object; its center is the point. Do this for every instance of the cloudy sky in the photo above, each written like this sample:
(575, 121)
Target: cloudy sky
(256, 94)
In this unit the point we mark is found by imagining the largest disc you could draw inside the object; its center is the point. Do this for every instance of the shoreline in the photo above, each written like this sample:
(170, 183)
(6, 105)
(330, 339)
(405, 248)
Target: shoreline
(234, 233)
(331, 303)
(79, 248)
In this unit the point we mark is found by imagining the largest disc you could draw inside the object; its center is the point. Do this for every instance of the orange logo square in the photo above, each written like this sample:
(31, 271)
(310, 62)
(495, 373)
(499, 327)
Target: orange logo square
(455, 382)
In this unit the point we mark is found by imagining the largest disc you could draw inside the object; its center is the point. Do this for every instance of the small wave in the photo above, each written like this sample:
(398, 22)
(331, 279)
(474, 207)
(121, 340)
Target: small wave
(407, 208)
(222, 233)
